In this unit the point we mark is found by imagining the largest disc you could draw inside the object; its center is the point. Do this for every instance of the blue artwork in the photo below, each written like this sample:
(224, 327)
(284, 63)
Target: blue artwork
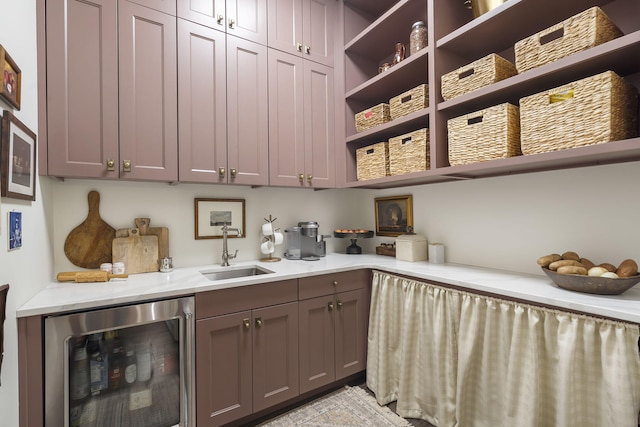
(15, 230)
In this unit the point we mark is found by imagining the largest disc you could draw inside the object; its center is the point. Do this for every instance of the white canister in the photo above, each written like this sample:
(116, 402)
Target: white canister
(411, 247)
(106, 266)
(436, 253)
(118, 268)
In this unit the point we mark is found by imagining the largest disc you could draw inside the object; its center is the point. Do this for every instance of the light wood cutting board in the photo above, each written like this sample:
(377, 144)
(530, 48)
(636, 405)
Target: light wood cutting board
(144, 225)
(139, 253)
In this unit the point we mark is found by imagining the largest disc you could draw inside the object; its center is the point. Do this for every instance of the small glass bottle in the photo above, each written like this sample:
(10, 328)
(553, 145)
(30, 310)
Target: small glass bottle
(399, 54)
(418, 37)
(130, 371)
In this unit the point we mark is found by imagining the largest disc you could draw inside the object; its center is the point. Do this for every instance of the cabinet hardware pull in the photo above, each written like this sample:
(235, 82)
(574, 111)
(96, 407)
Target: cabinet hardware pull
(126, 165)
(231, 23)
(299, 47)
(111, 165)
(339, 304)
(259, 322)
(221, 172)
(309, 178)
(330, 306)
(307, 50)
(335, 283)
(246, 324)
(301, 177)
(233, 172)
(220, 19)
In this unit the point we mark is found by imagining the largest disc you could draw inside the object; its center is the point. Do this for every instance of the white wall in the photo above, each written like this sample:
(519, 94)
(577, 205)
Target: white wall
(27, 269)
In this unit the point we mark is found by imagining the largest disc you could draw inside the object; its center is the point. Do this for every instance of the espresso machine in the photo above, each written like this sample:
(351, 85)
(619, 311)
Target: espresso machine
(303, 242)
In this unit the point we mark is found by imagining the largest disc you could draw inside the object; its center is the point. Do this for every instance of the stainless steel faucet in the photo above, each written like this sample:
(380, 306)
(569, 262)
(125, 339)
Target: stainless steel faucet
(225, 252)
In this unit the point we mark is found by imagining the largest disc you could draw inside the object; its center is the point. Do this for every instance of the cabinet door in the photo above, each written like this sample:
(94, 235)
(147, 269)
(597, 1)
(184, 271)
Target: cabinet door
(317, 348)
(223, 369)
(247, 113)
(351, 323)
(82, 89)
(275, 355)
(166, 6)
(319, 126)
(247, 19)
(148, 93)
(286, 119)
(285, 25)
(210, 13)
(202, 101)
(318, 29)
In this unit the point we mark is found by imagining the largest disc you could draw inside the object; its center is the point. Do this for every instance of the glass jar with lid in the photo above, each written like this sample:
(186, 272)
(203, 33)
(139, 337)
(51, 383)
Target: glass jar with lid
(418, 37)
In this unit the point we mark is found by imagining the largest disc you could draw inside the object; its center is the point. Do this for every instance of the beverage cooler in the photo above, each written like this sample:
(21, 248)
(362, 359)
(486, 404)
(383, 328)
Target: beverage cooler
(122, 366)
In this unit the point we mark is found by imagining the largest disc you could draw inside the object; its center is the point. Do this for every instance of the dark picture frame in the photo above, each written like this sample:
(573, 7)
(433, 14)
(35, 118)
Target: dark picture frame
(17, 159)
(11, 88)
(4, 290)
(394, 215)
(212, 214)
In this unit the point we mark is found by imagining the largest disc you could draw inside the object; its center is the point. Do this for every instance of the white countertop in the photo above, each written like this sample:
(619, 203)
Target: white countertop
(58, 298)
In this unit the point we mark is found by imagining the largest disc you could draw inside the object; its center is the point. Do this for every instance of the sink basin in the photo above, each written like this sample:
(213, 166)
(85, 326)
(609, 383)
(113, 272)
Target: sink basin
(232, 273)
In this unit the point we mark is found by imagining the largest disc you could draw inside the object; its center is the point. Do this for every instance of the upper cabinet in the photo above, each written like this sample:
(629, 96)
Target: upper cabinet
(111, 91)
(242, 18)
(303, 27)
(456, 39)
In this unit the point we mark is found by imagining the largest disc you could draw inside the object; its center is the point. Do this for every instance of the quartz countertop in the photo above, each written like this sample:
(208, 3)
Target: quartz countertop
(57, 298)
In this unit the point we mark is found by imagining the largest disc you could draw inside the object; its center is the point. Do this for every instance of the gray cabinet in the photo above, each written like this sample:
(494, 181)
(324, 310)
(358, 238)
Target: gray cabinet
(111, 91)
(303, 27)
(301, 122)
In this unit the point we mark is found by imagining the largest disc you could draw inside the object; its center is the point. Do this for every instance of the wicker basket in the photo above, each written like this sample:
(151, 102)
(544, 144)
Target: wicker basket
(482, 72)
(409, 152)
(594, 110)
(582, 31)
(489, 134)
(373, 161)
(373, 116)
(412, 100)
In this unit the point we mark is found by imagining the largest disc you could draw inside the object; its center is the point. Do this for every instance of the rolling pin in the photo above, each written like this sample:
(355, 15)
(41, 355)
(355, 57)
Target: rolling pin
(89, 276)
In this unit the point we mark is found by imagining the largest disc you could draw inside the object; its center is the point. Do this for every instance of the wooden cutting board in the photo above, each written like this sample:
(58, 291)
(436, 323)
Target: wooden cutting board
(144, 225)
(138, 253)
(90, 243)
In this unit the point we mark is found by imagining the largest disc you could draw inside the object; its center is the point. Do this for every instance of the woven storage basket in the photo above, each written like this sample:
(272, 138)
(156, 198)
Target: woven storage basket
(373, 116)
(582, 31)
(594, 110)
(372, 161)
(489, 134)
(409, 152)
(482, 72)
(409, 101)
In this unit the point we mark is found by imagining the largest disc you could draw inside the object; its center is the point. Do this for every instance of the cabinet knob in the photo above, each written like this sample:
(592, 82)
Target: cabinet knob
(219, 19)
(231, 23)
(111, 165)
(126, 165)
(299, 47)
(233, 172)
(301, 177)
(307, 50)
(309, 178)
(259, 322)
(339, 304)
(330, 306)
(335, 283)
(221, 172)
(246, 324)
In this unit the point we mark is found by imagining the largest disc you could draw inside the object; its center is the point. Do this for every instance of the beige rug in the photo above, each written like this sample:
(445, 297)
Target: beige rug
(347, 407)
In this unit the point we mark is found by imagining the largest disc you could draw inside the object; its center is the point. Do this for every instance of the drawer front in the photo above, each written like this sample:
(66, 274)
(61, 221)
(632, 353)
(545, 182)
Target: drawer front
(232, 300)
(327, 284)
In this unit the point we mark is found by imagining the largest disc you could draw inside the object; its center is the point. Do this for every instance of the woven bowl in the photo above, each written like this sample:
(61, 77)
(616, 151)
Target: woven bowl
(591, 284)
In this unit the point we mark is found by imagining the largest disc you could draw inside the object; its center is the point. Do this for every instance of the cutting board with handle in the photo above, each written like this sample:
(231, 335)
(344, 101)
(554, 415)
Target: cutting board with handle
(90, 243)
(138, 253)
(144, 225)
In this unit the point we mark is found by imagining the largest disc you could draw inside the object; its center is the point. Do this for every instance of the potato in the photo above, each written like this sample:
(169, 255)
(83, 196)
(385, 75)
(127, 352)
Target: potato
(596, 271)
(572, 269)
(627, 268)
(571, 255)
(544, 261)
(610, 275)
(608, 266)
(587, 263)
(564, 262)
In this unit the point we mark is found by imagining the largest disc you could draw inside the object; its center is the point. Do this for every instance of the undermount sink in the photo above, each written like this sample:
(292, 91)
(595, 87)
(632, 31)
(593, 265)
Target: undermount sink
(232, 273)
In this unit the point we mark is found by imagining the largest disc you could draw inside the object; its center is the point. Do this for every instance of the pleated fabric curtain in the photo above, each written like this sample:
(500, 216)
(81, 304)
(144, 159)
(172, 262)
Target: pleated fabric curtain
(455, 358)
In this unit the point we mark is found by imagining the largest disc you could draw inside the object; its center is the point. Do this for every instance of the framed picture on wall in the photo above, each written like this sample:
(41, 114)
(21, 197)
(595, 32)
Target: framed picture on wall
(393, 215)
(10, 90)
(14, 230)
(17, 159)
(212, 214)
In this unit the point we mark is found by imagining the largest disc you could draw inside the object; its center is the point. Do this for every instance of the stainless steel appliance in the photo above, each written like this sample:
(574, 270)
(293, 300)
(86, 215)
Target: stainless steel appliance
(121, 366)
(304, 242)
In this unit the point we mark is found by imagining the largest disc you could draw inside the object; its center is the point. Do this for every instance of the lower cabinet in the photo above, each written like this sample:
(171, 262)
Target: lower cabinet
(246, 361)
(333, 327)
